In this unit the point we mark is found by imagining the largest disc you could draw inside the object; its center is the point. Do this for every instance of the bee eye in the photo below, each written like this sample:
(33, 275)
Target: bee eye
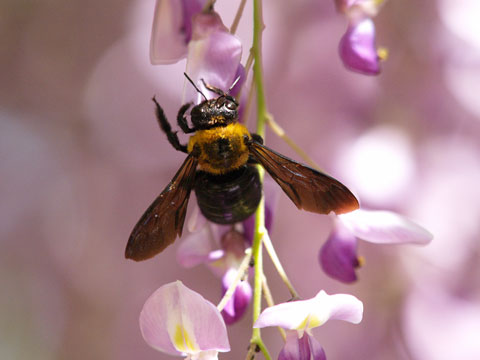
(231, 105)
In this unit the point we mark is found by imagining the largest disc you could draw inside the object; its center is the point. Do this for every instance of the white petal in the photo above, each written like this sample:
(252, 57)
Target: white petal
(307, 314)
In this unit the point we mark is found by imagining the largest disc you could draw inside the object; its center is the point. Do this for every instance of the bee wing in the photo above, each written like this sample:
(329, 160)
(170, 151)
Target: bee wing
(163, 220)
(308, 188)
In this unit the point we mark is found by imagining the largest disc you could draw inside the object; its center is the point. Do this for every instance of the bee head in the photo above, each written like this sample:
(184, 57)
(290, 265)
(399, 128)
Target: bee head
(220, 111)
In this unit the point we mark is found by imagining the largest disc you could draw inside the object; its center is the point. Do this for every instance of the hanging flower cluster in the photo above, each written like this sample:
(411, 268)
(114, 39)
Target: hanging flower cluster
(357, 46)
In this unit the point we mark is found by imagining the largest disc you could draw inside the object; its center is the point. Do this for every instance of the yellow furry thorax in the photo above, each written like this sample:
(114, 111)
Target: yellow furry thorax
(210, 158)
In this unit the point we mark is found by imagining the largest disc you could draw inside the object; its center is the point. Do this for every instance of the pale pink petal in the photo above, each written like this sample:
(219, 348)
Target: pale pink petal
(289, 315)
(168, 43)
(177, 320)
(213, 55)
(385, 227)
(196, 249)
(339, 307)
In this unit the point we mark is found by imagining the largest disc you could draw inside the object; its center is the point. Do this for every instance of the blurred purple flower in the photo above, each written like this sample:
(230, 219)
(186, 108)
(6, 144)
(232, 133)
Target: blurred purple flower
(301, 316)
(338, 256)
(172, 29)
(179, 321)
(357, 46)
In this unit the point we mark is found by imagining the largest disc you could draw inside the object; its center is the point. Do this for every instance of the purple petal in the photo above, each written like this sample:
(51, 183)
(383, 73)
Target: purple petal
(357, 48)
(236, 306)
(295, 348)
(177, 320)
(338, 255)
(316, 349)
(307, 314)
(190, 8)
(385, 227)
(213, 55)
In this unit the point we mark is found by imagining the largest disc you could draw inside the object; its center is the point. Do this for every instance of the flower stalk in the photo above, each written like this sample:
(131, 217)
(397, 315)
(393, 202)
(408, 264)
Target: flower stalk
(256, 342)
(240, 274)
(278, 265)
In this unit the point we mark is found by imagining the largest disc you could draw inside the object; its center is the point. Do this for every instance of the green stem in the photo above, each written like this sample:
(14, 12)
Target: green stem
(258, 27)
(259, 230)
(258, 260)
(261, 111)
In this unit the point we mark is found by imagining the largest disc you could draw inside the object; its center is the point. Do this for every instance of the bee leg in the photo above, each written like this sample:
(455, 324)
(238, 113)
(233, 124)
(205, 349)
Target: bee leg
(182, 120)
(167, 129)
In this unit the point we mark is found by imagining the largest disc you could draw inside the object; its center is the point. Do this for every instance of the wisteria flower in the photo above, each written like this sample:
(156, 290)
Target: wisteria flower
(300, 317)
(185, 29)
(178, 321)
(357, 46)
(338, 256)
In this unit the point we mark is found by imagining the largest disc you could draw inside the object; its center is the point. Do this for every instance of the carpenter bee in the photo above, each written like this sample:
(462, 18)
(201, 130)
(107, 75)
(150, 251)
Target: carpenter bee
(221, 168)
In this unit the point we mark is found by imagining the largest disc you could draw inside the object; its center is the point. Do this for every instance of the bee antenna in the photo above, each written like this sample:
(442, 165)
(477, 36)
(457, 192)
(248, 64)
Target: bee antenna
(195, 86)
(234, 83)
(213, 88)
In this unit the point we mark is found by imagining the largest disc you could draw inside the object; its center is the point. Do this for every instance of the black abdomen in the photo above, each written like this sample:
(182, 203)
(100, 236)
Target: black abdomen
(230, 197)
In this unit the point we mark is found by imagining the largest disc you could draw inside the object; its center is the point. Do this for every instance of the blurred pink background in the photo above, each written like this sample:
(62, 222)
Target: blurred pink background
(81, 158)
